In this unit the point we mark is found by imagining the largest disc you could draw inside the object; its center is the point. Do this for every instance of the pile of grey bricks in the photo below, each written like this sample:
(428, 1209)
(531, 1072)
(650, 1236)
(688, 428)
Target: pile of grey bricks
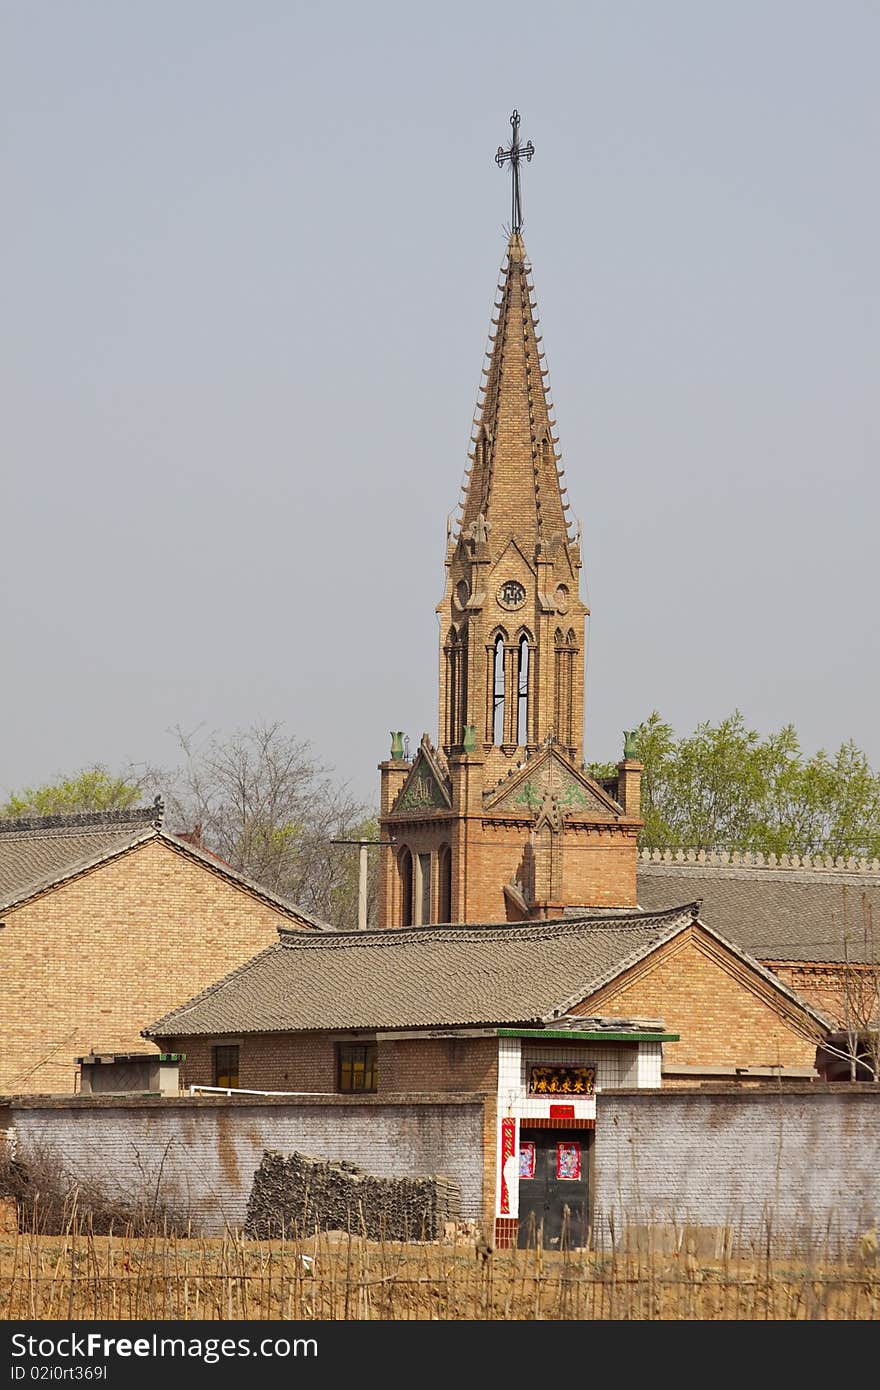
(296, 1194)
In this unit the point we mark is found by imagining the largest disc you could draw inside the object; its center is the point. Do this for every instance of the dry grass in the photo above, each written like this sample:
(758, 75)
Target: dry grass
(338, 1276)
(40, 1196)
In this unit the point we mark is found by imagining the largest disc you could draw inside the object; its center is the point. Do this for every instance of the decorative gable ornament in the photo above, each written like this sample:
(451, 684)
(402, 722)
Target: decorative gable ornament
(550, 778)
(427, 787)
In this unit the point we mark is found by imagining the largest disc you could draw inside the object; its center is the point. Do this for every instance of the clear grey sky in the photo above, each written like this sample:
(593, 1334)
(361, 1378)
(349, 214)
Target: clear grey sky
(249, 257)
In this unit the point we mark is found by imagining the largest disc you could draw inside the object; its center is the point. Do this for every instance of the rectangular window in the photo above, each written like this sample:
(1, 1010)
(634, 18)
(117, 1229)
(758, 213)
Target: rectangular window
(226, 1067)
(357, 1069)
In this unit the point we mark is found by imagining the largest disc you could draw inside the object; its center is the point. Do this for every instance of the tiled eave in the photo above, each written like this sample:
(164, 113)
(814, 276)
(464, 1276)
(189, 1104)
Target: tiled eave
(572, 1035)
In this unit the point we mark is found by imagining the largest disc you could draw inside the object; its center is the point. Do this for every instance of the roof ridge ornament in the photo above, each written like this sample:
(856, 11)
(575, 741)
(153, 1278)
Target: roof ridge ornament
(757, 859)
(78, 820)
(514, 154)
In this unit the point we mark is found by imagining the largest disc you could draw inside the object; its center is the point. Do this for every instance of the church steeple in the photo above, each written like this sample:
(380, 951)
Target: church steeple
(513, 621)
(513, 478)
(501, 820)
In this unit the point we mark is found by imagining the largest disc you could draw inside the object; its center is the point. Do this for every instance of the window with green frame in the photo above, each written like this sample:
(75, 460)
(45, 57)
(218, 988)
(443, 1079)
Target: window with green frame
(356, 1067)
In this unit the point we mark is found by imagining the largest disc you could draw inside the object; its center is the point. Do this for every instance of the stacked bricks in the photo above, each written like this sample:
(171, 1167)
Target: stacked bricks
(298, 1194)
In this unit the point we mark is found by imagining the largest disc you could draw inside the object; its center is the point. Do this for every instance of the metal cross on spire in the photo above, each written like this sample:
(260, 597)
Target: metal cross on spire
(515, 154)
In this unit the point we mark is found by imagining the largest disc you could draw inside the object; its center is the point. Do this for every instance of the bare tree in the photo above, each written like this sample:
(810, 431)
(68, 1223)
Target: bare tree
(857, 1040)
(261, 801)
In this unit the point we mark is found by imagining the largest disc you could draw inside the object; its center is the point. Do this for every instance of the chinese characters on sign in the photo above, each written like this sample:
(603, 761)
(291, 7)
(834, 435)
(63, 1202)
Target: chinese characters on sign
(562, 1081)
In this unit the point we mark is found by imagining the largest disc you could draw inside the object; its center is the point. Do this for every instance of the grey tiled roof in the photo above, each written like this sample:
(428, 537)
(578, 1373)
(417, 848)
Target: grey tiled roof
(775, 913)
(38, 851)
(422, 977)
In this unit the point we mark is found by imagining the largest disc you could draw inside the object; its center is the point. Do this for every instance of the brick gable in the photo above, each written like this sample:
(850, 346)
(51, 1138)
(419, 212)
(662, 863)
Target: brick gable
(726, 1013)
(89, 963)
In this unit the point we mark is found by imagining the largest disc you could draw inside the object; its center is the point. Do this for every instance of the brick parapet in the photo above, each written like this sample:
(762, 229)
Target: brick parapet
(786, 864)
(815, 1089)
(202, 1102)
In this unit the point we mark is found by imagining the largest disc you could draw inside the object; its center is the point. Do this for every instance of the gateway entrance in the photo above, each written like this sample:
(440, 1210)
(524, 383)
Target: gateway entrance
(554, 1206)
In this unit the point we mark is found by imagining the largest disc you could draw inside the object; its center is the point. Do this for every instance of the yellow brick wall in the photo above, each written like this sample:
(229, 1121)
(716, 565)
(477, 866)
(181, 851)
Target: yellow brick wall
(825, 986)
(598, 865)
(88, 964)
(701, 995)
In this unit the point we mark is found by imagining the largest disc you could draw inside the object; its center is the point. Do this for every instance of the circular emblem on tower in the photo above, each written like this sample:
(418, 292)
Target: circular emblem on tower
(511, 594)
(462, 594)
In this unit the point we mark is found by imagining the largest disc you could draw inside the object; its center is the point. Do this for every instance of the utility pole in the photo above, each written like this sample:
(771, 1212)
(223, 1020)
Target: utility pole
(363, 846)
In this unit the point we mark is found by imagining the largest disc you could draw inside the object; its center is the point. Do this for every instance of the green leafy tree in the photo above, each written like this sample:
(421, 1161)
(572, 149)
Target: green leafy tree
(726, 787)
(91, 789)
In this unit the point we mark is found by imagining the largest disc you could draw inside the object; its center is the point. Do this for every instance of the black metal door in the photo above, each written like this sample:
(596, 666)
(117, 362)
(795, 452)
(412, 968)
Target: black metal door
(554, 1188)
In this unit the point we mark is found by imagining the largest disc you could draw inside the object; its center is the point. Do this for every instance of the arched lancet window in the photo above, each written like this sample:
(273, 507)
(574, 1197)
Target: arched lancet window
(498, 692)
(456, 683)
(461, 685)
(421, 914)
(482, 451)
(444, 884)
(452, 658)
(522, 692)
(565, 651)
(571, 644)
(405, 869)
(562, 711)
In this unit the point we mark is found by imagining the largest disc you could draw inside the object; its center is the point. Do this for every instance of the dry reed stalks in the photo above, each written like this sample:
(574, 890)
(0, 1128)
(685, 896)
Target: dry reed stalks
(315, 1274)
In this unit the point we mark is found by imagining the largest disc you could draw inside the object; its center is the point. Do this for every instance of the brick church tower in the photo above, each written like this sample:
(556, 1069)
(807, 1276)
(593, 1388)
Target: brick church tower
(499, 821)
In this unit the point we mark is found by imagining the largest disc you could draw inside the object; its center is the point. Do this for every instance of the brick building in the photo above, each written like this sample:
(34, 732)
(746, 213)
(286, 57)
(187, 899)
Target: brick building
(500, 820)
(814, 921)
(106, 920)
(535, 1017)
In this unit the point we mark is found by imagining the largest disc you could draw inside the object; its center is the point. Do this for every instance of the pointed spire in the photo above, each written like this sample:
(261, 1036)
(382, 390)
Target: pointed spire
(514, 479)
